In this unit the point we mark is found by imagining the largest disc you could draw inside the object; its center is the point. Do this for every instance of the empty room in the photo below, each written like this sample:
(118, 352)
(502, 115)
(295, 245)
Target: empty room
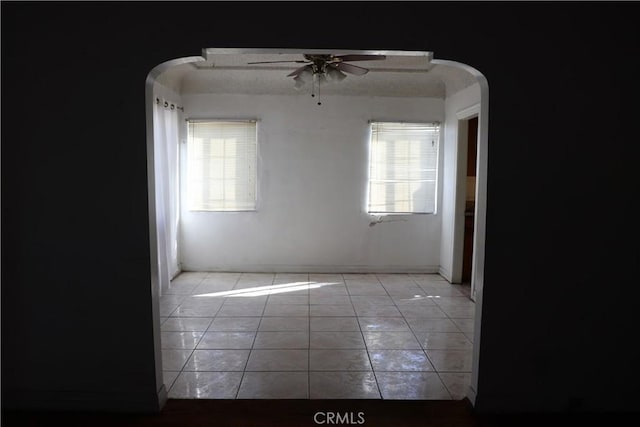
(309, 219)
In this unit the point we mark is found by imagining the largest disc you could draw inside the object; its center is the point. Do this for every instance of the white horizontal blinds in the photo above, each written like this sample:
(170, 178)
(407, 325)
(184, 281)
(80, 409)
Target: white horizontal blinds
(222, 166)
(403, 167)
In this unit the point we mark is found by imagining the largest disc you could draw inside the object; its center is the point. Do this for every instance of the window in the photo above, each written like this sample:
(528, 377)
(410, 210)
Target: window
(403, 167)
(221, 165)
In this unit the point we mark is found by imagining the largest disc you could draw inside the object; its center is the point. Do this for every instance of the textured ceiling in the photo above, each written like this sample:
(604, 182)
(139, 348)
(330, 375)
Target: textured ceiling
(401, 74)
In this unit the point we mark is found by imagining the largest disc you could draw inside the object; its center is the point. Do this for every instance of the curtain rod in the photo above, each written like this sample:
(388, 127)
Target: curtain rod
(170, 105)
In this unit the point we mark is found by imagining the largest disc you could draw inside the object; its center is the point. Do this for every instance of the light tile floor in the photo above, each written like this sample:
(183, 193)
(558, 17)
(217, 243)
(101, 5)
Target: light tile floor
(316, 336)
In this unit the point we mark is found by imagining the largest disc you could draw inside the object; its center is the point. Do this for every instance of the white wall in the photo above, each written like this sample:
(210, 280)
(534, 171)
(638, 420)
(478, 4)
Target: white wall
(312, 185)
(451, 253)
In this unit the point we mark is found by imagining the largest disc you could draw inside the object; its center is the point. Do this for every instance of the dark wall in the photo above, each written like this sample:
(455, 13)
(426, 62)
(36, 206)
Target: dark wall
(559, 310)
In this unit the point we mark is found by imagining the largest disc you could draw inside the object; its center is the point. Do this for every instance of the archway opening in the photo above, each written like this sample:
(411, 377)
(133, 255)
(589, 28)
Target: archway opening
(382, 266)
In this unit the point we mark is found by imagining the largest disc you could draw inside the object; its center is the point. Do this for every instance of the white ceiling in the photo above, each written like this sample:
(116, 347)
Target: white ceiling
(401, 74)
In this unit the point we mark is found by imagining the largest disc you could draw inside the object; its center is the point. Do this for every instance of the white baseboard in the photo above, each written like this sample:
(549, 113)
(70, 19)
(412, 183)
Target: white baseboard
(283, 268)
(175, 274)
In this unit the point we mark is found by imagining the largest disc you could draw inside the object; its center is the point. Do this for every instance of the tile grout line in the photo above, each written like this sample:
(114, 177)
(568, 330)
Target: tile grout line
(451, 318)
(194, 347)
(424, 351)
(405, 320)
(375, 377)
(456, 325)
(438, 372)
(190, 355)
(414, 333)
(445, 386)
(254, 338)
(211, 322)
(249, 355)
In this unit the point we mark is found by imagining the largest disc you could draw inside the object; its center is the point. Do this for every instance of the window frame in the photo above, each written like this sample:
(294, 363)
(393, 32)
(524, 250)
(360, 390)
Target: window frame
(188, 188)
(438, 166)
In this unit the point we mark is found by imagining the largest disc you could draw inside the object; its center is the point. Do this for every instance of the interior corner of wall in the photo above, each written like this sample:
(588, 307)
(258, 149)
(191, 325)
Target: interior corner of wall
(444, 273)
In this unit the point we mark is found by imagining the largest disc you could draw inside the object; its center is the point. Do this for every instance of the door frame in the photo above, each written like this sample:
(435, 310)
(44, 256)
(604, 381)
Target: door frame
(479, 237)
(463, 116)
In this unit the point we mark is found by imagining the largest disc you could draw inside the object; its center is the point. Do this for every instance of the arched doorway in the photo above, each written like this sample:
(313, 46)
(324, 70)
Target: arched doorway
(474, 102)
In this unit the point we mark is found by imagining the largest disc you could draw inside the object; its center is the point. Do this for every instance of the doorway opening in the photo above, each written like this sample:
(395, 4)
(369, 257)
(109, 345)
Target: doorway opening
(470, 199)
(361, 292)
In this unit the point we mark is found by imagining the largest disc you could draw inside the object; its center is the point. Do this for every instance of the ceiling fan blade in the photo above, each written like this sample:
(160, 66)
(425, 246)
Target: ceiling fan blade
(350, 58)
(298, 71)
(276, 62)
(348, 68)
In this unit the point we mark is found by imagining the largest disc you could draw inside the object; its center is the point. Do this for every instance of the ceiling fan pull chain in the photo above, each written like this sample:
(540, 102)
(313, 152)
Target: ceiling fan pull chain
(319, 103)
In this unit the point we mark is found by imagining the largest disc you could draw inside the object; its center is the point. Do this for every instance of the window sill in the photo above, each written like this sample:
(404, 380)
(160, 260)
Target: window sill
(208, 211)
(375, 214)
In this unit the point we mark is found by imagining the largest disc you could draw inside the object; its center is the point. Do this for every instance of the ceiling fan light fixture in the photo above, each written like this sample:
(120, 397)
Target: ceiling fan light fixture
(335, 75)
(299, 82)
(302, 78)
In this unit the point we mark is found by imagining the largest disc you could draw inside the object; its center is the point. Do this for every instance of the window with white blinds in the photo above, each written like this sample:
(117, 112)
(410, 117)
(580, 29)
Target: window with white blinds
(403, 167)
(221, 167)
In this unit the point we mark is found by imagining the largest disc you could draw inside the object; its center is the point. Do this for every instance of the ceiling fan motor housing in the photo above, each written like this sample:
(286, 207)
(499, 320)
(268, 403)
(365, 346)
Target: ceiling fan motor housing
(319, 62)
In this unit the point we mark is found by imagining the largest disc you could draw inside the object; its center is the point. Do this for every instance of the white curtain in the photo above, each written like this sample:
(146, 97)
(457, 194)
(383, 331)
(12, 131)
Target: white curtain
(166, 137)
